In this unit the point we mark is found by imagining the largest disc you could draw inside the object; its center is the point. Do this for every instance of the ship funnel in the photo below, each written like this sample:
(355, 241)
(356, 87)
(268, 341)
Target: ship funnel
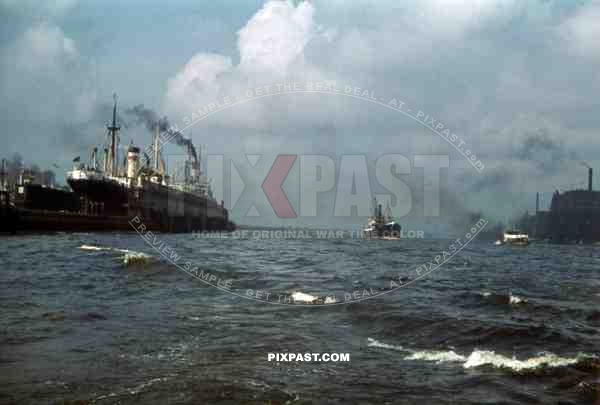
(590, 174)
(133, 154)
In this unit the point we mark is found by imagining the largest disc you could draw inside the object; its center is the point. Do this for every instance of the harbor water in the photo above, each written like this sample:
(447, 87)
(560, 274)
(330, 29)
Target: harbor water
(105, 319)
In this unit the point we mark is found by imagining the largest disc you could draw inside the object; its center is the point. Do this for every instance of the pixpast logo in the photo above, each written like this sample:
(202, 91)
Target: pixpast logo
(251, 178)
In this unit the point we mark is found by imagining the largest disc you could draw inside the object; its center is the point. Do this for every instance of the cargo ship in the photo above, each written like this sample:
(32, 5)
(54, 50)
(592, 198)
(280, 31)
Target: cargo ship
(381, 225)
(106, 195)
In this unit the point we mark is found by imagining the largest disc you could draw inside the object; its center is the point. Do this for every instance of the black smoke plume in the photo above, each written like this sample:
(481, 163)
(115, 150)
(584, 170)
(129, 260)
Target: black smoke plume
(150, 119)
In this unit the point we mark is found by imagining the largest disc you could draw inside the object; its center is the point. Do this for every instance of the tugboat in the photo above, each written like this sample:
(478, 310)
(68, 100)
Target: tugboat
(381, 225)
(515, 237)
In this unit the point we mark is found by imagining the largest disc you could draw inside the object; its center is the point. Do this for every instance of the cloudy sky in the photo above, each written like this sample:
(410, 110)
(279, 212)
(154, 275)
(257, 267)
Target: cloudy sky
(517, 80)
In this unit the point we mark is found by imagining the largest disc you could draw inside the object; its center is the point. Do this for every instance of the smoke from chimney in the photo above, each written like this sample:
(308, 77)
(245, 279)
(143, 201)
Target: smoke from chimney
(151, 119)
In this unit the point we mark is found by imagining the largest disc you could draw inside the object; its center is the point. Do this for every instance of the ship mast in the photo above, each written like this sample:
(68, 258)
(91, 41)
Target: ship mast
(387, 215)
(156, 147)
(113, 130)
(94, 159)
(374, 208)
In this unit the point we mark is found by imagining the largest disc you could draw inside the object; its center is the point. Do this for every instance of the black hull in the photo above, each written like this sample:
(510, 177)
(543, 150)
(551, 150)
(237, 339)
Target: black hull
(39, 221)
(36, 197)
(172, 210)
(111, 194)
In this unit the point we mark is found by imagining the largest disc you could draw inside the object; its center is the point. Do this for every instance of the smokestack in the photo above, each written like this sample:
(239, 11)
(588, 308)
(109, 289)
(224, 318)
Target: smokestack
(133, 154)
(537, 202)
(590, 179)
(380, 212)
(172, 134)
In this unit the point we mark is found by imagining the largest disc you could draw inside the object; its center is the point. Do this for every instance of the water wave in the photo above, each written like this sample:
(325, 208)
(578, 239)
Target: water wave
(486, 357)
(479, 358)
(509, 298)
(374, 343)
(304, 298)
(94, 248)
(437, 356)
(130, 257)
(133, 390)
(493, 298)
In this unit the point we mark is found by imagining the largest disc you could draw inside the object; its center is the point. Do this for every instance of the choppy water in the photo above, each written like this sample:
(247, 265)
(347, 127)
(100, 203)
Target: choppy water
(85, 319)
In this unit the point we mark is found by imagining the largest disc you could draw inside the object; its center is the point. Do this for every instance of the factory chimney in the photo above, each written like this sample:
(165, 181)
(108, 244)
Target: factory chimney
(590, 173)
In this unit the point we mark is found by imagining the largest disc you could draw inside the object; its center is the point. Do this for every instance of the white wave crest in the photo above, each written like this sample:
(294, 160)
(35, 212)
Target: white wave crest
(300, 297)
(374, 343)
(485, 357)
(129, 253)
(437, 356)
(94, 248)
(132, 257)
(330, 300)
(515, 300)
(480, 358)
(510, 299)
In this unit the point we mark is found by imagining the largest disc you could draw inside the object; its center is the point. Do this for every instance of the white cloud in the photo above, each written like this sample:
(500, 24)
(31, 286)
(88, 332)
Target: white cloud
(272, 40)
(271, 47)
(43, 47)
(275, 36)
(583, 31)
(461, 14)
(47, 87)
(198, 77)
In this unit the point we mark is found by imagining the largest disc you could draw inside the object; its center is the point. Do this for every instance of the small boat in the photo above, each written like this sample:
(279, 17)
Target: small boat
(515, 238)
(382, 225)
